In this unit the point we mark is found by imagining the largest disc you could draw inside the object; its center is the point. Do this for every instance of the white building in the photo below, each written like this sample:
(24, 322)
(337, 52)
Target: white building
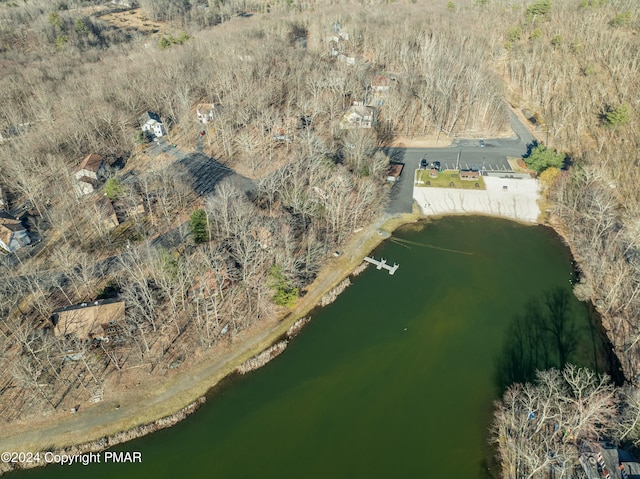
(151, 122)
(357, 117)
(205, 112)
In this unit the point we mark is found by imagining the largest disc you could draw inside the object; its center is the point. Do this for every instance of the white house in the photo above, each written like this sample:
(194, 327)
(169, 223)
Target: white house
(151, 122)
(13, 235)
(88, 174)
(357, 117)
(205, 112)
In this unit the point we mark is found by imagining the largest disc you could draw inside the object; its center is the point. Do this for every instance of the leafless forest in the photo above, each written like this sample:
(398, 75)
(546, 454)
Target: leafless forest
(73, 82)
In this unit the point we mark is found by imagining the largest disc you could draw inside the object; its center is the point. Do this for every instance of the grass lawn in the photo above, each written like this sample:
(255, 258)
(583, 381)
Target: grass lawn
(445, 179)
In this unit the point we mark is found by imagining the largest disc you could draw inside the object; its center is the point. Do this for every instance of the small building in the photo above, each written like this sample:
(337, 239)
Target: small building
(394, 170)
(348, 59)
(205, 112)
(469, 175)
(380, 84)
(358, 117)
(150, 122)
(380, 87)
(88, 321)
(106, 213)
(284, 129)
(13, 235)
(90, 171)
(433, 172)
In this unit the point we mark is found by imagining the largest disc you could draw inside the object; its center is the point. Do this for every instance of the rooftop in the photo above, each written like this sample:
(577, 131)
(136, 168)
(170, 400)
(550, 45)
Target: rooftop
(92, 163)
(85, 320)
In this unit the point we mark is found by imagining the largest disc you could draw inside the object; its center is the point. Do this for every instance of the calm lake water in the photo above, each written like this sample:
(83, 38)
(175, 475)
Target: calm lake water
(393, 380)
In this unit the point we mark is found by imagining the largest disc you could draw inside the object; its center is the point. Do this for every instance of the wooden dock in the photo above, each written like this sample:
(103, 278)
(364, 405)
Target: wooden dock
(382, 264)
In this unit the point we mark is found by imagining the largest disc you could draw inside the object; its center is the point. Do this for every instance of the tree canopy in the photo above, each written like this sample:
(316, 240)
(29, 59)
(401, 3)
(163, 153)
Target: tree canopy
(615, 116)
(112, 189)
(198, 226)
(542, 158)
(539, 8)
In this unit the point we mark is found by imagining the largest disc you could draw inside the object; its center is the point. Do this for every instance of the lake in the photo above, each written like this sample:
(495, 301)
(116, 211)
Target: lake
(395, 379)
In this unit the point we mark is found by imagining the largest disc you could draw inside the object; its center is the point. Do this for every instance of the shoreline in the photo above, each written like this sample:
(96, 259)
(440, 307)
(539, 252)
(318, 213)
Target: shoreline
(201, 380)
(253, 352)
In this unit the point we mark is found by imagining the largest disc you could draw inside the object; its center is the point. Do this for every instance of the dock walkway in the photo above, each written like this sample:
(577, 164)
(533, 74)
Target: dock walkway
(382, 264)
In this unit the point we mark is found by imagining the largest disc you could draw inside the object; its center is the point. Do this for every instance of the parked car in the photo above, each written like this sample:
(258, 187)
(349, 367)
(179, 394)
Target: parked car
(436, 165)
(481, 143)
(423, 164)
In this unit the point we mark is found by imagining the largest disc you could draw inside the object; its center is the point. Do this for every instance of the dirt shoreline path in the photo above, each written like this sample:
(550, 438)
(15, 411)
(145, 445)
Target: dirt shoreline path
(153, 401)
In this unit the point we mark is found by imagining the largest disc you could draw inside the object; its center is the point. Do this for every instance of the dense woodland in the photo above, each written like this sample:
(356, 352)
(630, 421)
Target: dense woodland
(73, 83)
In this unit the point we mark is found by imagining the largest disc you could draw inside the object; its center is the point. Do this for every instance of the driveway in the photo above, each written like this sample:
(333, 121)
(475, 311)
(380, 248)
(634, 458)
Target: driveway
(464, 153)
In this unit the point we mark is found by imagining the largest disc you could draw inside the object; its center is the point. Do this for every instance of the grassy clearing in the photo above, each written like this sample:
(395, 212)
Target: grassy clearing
(516, 165)
(445, 179)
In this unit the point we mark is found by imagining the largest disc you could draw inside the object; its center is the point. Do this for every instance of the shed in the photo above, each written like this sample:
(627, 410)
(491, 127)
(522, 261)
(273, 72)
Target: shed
(394, 170)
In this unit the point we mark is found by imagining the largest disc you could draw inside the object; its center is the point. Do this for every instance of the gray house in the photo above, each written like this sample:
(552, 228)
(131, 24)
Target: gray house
(13, 235)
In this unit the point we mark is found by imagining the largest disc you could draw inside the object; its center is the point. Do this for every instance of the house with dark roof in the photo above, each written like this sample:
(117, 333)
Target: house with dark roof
(150, 122)
(13, 235)
(106, 213)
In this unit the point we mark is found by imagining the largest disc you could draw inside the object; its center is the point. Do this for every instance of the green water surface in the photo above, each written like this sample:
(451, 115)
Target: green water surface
(393, 380)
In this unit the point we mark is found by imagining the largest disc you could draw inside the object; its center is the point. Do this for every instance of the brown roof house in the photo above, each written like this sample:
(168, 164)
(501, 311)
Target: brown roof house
(357, 117)
(394, 170)
(88, 320)
(13, 235)
(380, 87)
(106, 213)
(88, 174)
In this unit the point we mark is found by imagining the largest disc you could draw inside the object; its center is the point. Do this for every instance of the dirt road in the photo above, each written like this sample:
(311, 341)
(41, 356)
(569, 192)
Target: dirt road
(151, 401)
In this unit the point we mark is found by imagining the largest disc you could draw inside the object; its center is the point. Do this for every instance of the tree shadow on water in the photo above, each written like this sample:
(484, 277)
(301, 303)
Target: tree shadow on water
(548, 334)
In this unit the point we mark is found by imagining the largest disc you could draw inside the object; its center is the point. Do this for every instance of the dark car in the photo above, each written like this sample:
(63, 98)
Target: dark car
(481, 143)
(423, 164)
(436, 165)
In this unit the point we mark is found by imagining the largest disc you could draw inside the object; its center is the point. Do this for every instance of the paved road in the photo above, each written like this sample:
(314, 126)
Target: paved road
(491, 157)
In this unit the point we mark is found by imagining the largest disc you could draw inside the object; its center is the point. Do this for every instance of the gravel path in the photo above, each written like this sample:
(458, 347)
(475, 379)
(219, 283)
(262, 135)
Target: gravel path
(154, 400)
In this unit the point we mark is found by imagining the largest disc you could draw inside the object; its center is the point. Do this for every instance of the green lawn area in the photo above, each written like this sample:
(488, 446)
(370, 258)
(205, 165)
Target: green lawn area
(445, 179)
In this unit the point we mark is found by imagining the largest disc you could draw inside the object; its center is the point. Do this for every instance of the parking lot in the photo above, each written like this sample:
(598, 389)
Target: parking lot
(463, 153)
